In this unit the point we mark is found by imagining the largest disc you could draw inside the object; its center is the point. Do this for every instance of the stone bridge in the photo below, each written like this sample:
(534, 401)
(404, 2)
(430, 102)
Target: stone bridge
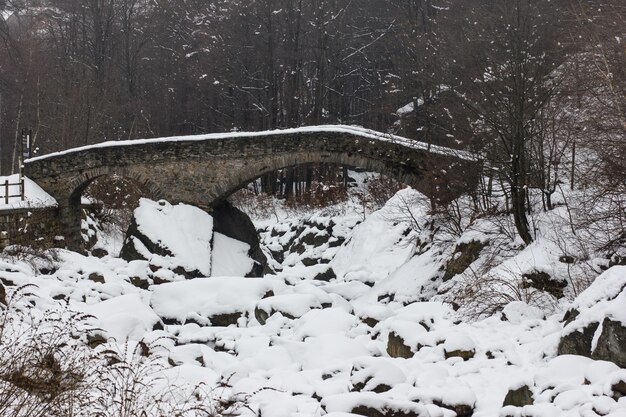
(201, 170)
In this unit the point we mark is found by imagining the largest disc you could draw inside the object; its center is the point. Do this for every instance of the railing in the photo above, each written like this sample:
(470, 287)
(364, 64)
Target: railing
(25, 153)
(7, 186)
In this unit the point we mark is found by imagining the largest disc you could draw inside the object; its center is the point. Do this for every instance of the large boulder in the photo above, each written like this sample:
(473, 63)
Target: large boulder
(182, 240)
(234, 223)
(173, 237)
(595, 325)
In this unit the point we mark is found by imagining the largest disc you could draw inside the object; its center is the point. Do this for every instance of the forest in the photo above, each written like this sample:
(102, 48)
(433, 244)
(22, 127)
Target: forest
(536, 88)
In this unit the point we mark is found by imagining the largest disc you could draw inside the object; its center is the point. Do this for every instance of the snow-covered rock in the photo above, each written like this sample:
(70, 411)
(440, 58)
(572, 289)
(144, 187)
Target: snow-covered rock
(217, 301)
(179, 242)
(459, 344)
(326, 321)
(373, 404)
(175, 237)
(126, 317)
(595, 325)
(383, 242)
(376, 375)
(289, 305)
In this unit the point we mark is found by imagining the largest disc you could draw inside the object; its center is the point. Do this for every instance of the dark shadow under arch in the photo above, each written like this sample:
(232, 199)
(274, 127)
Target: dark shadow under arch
(236, 184)
(77, 187)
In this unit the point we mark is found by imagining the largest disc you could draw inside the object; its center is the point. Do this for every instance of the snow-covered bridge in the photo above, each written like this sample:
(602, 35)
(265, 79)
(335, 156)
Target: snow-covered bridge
(203, 169)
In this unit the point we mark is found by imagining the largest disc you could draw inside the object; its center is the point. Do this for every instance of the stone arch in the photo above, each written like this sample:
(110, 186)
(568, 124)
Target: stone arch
(69, 198)
(76, 186)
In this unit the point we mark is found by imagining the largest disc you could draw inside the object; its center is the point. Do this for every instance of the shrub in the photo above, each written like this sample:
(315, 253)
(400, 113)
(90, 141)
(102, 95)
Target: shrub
(484, 291)
(48, 370)
(42, 368)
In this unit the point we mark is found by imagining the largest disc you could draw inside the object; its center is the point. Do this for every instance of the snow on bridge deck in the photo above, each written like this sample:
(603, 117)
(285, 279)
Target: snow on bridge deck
(353, 130)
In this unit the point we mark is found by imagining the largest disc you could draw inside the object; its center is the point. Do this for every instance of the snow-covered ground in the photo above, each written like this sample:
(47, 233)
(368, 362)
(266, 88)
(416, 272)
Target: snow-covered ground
(357, 317)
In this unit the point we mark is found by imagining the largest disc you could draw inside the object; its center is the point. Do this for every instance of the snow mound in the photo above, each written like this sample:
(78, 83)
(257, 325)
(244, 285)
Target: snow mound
(518, 311)
(382, 243)
(126, 317)
(326, 321)
(202, 298)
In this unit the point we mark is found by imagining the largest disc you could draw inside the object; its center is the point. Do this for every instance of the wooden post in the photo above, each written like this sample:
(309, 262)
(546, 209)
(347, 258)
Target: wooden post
(25, 147)
(6, 191)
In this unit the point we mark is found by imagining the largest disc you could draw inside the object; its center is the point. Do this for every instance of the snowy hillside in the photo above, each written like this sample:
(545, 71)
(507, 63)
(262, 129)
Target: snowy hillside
(356, 318)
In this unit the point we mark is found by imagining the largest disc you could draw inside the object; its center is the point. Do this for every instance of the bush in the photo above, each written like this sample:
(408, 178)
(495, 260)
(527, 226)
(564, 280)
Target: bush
(41, 261)
(47, 370)
(131, 384)
(42, 368)
(484, 291)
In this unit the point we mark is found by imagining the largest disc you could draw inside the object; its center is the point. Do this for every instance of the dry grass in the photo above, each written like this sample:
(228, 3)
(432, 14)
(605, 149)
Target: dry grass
(47, 370)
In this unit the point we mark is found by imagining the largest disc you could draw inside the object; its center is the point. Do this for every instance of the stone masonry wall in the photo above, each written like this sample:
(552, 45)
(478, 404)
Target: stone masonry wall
(39, 228)
(202, 172)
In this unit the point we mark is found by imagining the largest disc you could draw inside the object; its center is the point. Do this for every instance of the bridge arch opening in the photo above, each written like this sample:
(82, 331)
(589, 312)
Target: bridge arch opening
(105, 204)
(315, 187)
(285, 173)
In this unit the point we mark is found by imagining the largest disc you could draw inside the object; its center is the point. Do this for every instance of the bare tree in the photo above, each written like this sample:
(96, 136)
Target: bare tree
(514, 54)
